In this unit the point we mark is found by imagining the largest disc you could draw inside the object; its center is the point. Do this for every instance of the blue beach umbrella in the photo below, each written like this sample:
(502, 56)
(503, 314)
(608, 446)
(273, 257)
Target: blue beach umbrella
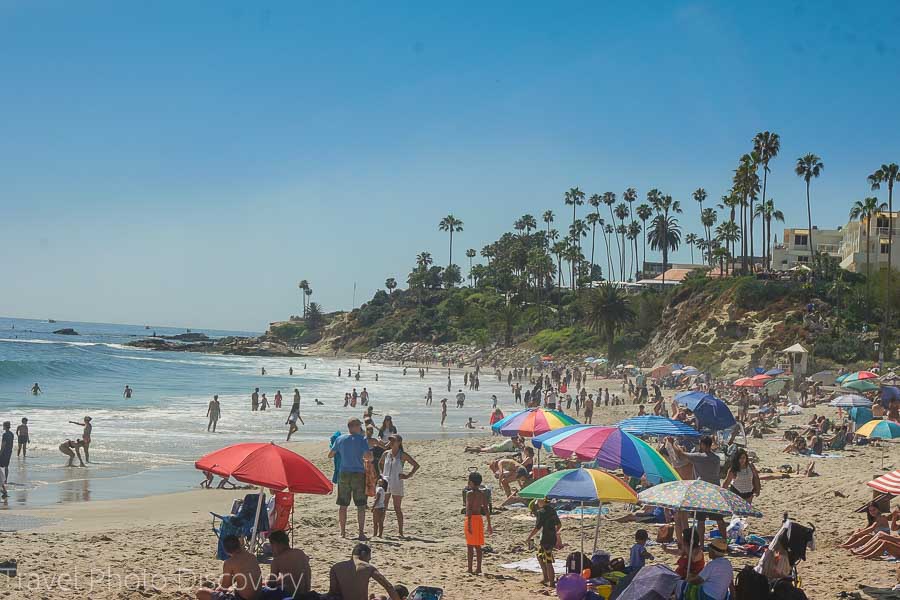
(860, 415)
(654, 425)
(711, 412)
(774, 372)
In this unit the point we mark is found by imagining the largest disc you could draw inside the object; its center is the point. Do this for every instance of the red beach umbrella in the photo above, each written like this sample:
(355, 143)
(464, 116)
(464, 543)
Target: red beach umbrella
(748, 382)
(268, 466)
(761, 377)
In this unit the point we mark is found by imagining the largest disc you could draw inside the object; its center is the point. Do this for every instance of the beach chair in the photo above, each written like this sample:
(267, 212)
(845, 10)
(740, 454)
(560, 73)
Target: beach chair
(282, 519)
(240, 521)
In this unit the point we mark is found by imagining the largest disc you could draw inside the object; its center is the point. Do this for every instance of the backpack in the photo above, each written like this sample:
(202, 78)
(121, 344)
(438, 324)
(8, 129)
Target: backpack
(750, 585)
(576, 562)
(784, 590)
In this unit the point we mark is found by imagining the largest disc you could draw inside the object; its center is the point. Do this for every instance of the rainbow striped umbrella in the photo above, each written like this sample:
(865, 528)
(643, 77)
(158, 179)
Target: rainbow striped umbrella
(858, 376)
(611, 448)
(581, 485)
(885, 430)
(532, 422)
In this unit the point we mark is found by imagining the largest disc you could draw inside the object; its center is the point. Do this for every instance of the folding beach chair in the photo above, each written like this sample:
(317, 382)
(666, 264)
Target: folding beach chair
(240, 521)
(282, 519)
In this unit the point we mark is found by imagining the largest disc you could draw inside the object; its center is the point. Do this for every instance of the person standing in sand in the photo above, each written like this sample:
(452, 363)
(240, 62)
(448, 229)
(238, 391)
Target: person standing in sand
(85, 436)
(476, 506)
(22, 436)
(589, 410)
(213, 412)
(391, 469)
(353, 450)
(241, 575)
(6, 448)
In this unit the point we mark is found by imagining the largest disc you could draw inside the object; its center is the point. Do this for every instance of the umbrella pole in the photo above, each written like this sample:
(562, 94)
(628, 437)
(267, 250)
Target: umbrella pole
(687, 572)
(256, 521)
(597, 529)
(581, 527)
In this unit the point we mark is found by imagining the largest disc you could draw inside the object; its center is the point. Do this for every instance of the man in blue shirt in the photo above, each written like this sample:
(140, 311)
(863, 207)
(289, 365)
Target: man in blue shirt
(353, 449)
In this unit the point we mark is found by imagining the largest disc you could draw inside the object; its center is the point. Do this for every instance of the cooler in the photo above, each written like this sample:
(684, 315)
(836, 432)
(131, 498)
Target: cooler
(538, 471)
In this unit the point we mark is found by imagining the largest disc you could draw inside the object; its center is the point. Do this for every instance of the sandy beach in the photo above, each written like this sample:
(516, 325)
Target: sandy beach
(163, 546)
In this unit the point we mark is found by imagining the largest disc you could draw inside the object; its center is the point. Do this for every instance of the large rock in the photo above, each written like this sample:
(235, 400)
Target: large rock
(66, 331)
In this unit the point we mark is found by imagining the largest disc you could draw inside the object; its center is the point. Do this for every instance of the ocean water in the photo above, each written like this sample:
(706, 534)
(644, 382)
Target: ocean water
(147, 445)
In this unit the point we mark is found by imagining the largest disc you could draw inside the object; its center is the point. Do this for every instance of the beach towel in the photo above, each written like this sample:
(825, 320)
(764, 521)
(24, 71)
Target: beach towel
(475, 537)
(531, 565)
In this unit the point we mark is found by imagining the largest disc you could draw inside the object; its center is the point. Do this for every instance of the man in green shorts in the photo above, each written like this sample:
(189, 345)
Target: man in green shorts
(353, 449)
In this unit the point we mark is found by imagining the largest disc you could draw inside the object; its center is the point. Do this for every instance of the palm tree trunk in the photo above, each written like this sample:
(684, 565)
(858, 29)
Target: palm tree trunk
(451, 246)
(868, 250)
(593, 242)
(613, 218)
(645, 246)
(635, 259)
(890, 276)
(769, 243)
(809, 238)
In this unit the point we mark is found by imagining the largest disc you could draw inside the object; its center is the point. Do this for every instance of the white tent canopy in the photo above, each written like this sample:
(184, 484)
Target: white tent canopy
(795, 349)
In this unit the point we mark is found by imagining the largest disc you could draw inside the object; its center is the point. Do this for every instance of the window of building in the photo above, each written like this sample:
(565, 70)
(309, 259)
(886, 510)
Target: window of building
(803, 259)
(800, 239)
(883, 221)
(884, 247)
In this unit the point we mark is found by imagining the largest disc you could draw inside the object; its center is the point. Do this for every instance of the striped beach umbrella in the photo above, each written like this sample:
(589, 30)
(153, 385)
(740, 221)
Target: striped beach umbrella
(858, 376)
(880, 429)
(696, 495)
(850, 400)
(611, 449)
(749, 382)
(887, 484)
(581, 485)
(654, 425)
(860, 385)
(532, 422)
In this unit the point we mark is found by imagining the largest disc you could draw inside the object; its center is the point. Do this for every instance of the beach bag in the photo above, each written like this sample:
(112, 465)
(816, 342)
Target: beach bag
(784, 590)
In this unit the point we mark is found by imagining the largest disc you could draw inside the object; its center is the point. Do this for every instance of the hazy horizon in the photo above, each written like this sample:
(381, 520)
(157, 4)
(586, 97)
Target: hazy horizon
(189, 164)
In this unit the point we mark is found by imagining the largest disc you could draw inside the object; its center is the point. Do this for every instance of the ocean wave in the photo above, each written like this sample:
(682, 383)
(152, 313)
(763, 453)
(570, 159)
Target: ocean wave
(66, 343)
(36, 369)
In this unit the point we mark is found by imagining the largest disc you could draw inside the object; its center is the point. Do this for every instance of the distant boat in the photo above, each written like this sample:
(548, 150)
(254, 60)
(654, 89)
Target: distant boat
(146, 327)
(51, 320)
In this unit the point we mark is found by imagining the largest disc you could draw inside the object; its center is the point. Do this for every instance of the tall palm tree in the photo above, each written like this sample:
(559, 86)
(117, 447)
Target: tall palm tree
(592, 220)
(731, 201)
(644, 212)
(574, 198)
(691, 240)
(708, 218)
(768, 213)
(391, 284)
(470, 253)
(746, 184)
(559, 248)
(630, 196)
(607, 312)
(634, 231)
(867, 210)
(303, 285)
(453, 225)
(609, 198)
(609, 231)
(577, 231)
(809, 166)
(729, 234)
(548, 219)
(766, 144)
(721, 256)
(664, 235)
(887, 174)
(622, 213)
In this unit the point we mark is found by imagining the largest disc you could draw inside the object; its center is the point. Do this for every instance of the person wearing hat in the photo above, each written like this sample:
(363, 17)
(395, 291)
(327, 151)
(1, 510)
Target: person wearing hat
(392, 462)
(353, 450)
(85, 436)
(714, 581)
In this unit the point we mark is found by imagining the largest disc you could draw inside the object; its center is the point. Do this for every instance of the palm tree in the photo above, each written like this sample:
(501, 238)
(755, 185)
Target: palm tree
(746, 185)
(577, 231)
(424, 260)
(634, 231)
(609, 198)
(592, 220)
(314, 316)
(808, 167)
(766, 144)
(470, 253)
(453, 225)
(529, 222)
(391, 284)
(767, 212)
(622, 213)
(607, 312)
(732, 201)
(609, 230)
(708, 218)
(303, 285)
(691, 240)
(630, 196)
(308, 292)
(664, 235)
(574, 198)
(867, 210)
(559, 248)
(887, 174)
(644, 212)
(729, 233)
(548, 219)
(721, 256)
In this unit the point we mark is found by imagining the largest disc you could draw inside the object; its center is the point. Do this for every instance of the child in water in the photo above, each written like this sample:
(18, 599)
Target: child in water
(476, 506)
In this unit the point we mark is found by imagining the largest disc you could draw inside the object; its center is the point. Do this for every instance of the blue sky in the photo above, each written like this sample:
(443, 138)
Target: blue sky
(187, 163)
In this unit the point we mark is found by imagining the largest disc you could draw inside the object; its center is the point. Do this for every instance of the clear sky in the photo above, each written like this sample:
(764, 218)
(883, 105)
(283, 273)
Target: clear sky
(186, 163)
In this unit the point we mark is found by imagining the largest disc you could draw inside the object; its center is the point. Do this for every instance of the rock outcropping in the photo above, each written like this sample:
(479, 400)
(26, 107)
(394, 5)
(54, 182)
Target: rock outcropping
(241, 346)
(66, 331)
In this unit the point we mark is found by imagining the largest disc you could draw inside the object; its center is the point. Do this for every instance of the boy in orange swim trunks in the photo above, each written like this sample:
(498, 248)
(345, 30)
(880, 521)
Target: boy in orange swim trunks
(476, 506)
